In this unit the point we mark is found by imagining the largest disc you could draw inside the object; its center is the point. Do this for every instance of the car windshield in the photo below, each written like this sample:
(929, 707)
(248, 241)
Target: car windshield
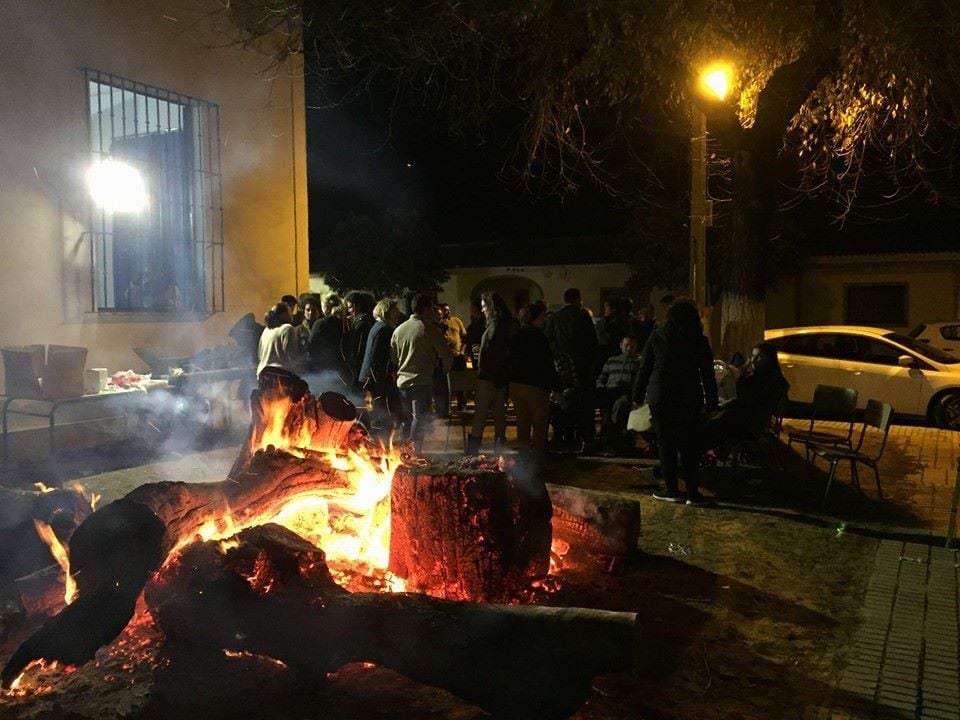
(922, 348)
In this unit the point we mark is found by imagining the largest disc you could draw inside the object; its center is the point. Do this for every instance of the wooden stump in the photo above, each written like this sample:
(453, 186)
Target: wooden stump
(465, 532)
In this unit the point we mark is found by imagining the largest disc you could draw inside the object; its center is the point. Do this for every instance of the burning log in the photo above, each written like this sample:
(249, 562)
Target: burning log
(114, 551)
(322, 421)
(112, 554)
(468, 532)
(268, 592)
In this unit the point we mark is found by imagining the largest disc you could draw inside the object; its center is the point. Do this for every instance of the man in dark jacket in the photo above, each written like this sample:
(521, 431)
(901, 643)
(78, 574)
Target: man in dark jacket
(359, 321)
(571, 333)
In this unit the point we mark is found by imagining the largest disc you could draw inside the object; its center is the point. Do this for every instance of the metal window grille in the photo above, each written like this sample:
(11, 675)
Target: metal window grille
(168, 257)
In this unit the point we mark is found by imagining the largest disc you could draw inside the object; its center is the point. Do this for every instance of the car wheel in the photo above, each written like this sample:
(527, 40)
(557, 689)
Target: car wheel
(946, 413)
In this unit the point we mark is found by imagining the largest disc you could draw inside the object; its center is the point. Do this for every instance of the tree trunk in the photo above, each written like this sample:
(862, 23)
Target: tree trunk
(267, 591)
(468, 533)
(743, 316)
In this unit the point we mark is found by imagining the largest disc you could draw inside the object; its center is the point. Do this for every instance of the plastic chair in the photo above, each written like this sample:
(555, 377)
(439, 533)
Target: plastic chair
(460, 381)
(876, 416)
(829, 403)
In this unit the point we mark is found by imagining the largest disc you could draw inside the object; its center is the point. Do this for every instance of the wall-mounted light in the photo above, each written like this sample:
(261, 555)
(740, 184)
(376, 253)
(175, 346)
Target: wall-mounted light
(117, 187)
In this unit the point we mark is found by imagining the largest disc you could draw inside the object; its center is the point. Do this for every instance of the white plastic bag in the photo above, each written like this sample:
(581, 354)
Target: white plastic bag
(639, 419)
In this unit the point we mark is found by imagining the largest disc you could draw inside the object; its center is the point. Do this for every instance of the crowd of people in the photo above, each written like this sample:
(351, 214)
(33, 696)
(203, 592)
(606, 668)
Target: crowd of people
(557, 368)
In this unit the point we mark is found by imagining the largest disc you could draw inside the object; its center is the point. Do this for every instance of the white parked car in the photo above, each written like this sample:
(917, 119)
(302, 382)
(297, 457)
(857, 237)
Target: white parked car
(914, 377)
(942, 335)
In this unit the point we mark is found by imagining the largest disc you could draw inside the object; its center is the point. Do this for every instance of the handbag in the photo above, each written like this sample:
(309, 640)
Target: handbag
(640, 419)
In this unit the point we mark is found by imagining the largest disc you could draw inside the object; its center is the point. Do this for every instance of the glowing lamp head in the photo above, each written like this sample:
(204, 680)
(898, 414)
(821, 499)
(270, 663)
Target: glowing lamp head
(117, 187)
(716, 81)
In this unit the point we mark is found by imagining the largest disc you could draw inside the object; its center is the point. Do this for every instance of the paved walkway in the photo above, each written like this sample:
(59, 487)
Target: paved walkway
(904, 659)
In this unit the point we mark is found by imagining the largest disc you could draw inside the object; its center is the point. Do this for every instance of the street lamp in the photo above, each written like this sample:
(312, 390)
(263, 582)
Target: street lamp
(714, 84)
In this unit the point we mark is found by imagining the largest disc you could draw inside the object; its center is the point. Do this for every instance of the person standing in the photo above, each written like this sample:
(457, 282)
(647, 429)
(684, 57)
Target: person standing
(415, 347)
(279, 346)
(359, 314)
(492, 371)
(645, 323)
(310, 306)
(532, 376)
(327, 357)
(676, 379)
(474, 331)
(571, 333)
(378, 375)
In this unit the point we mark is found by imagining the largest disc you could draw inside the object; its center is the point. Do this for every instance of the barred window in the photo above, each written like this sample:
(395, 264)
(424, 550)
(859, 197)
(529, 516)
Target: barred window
(168, 256)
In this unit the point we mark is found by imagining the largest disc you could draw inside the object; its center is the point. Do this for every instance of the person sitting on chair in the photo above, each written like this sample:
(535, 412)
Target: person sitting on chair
(613, 393)
(760, 388)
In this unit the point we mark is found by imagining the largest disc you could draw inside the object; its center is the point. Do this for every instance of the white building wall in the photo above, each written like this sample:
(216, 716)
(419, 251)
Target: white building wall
(547, 282)
(45, 272)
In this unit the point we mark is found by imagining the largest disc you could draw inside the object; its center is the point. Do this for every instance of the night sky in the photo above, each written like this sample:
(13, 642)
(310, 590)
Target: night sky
(359, 162)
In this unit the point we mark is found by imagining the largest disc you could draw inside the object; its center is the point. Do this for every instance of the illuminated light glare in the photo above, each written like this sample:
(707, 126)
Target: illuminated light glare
(117, 187)
(717, 81)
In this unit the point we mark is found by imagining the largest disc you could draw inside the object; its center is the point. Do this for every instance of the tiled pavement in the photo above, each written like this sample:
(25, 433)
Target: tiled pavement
(904, 659)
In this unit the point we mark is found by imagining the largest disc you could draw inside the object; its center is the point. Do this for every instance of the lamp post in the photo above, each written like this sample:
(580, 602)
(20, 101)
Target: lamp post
(714, 83)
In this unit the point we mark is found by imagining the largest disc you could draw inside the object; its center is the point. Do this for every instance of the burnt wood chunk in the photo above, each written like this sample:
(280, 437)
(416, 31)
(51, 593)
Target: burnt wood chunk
(468, 532)
(268, 592)
(595, 522)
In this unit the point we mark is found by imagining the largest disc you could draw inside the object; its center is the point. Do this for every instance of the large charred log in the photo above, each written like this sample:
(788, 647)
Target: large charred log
(268, 592)
(113, 553)
(468, 531)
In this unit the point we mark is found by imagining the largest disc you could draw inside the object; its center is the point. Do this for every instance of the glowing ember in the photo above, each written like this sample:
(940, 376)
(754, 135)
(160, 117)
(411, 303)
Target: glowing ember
(558, 550)
(22, 686)
(59, 553)
(243, 654)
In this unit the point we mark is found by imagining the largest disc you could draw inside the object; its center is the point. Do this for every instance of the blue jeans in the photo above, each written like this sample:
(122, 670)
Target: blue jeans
(417, 401)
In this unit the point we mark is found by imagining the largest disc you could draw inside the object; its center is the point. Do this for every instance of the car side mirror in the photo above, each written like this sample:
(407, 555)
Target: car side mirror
(906, 361)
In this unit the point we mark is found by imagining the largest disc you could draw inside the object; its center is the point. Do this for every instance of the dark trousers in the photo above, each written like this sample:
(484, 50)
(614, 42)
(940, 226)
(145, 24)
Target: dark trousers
(386, 411)
(416, 405)
(679, 433)
(441, 392)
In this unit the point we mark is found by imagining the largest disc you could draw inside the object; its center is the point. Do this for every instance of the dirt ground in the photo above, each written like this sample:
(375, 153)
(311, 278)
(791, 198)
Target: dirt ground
(745, 610)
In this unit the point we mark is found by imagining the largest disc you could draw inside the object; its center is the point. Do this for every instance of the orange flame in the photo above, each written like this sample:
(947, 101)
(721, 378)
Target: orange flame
(352, 527)
(19, 689)
(59, 553)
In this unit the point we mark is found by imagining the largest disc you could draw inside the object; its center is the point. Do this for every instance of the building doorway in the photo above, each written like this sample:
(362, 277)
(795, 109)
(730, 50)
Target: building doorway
(516, 291)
